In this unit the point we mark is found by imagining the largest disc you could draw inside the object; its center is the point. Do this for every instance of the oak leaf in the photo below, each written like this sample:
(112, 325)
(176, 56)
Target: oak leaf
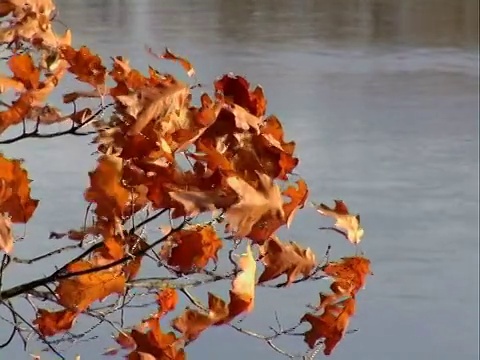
(86, 66)
(6, 235)
(106, 188)
(236, 89)
(52, 323)
(191, 323)
(289, 259)
(330, 326)
(192, 248)
(267, 225)
(78, 292)
(24, 70)
(152, 341)
(169, 55)
(345, 221)
(167, 299)
(350, 272)
(158, 103)
(253, 203)
(15, 197)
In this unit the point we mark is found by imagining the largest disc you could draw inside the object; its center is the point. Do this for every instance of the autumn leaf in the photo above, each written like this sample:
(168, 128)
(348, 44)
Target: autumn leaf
(52, 323)
(24, 70)
(330, 326)
(6, 235)
(344, 220)
(244, 282)
(242, 294)
(236, 88)
(15, 197)
(169, 55)
(167, 299)
(289, 259)
(253, 204)
(192, 248)
(106, 188)
(191, 323)
(153, 341)
(267, 225)
(86, 66)
(158, 104)
(78, 292)
(349, 270)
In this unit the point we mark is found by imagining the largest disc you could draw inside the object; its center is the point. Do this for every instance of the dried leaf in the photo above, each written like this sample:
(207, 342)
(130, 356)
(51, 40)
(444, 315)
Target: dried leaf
(253, 203)
(106, 189)
(155, 343)
(53, 323)
(289, 259)
(344, 220)
(167, 299)
(80, 291)
(192, 248)
(168, 55)
(330, 326)
(6, 234)
(15, 191)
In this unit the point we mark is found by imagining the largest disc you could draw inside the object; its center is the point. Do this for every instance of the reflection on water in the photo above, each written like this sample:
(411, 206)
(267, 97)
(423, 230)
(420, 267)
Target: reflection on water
(382, 99)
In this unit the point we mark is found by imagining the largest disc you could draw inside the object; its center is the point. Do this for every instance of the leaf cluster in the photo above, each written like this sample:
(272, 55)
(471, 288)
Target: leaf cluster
(165, 150)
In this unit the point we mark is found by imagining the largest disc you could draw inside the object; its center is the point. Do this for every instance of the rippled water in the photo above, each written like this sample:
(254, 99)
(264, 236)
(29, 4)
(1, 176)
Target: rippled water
(381, 97)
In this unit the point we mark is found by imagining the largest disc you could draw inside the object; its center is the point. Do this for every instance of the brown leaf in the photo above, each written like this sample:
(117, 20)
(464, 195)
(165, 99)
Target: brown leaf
(86, 66)
(351, 271)
(330, 326)
(52, 323)
(80, 291)
(106, 188)
(167, 300)
(24, 70)
(15, 197)
(344, 220)
(164, 101)
(155, 342)
(267, 225)
(6, 235)
(191, 323)
(253, 204)
(168, 55)
(192, 248)
(289, 259)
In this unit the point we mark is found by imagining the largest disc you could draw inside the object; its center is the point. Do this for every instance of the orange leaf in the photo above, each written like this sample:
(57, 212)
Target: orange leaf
(167, 300)
(106, 189)
(344, 220)
(330, 326)
(15, 191)
(289, 259)
(168, 55)
(154, 342)
(254, 203)
(267, 225)
(351, 270)
(6, 235)
(192, 248)
(86, 66)
(52, 323)
(191, 323)
(24, 70)
(80, 291)
(243, 286)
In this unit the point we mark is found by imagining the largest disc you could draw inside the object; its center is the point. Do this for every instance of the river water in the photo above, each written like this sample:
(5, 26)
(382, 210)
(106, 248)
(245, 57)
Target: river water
(381, 97)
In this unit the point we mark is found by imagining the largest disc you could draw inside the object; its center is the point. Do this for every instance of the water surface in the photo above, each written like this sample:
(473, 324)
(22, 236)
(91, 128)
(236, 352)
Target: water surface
(381, 97)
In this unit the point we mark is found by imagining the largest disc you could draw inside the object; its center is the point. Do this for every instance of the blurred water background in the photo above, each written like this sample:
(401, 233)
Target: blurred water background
(381, 97)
